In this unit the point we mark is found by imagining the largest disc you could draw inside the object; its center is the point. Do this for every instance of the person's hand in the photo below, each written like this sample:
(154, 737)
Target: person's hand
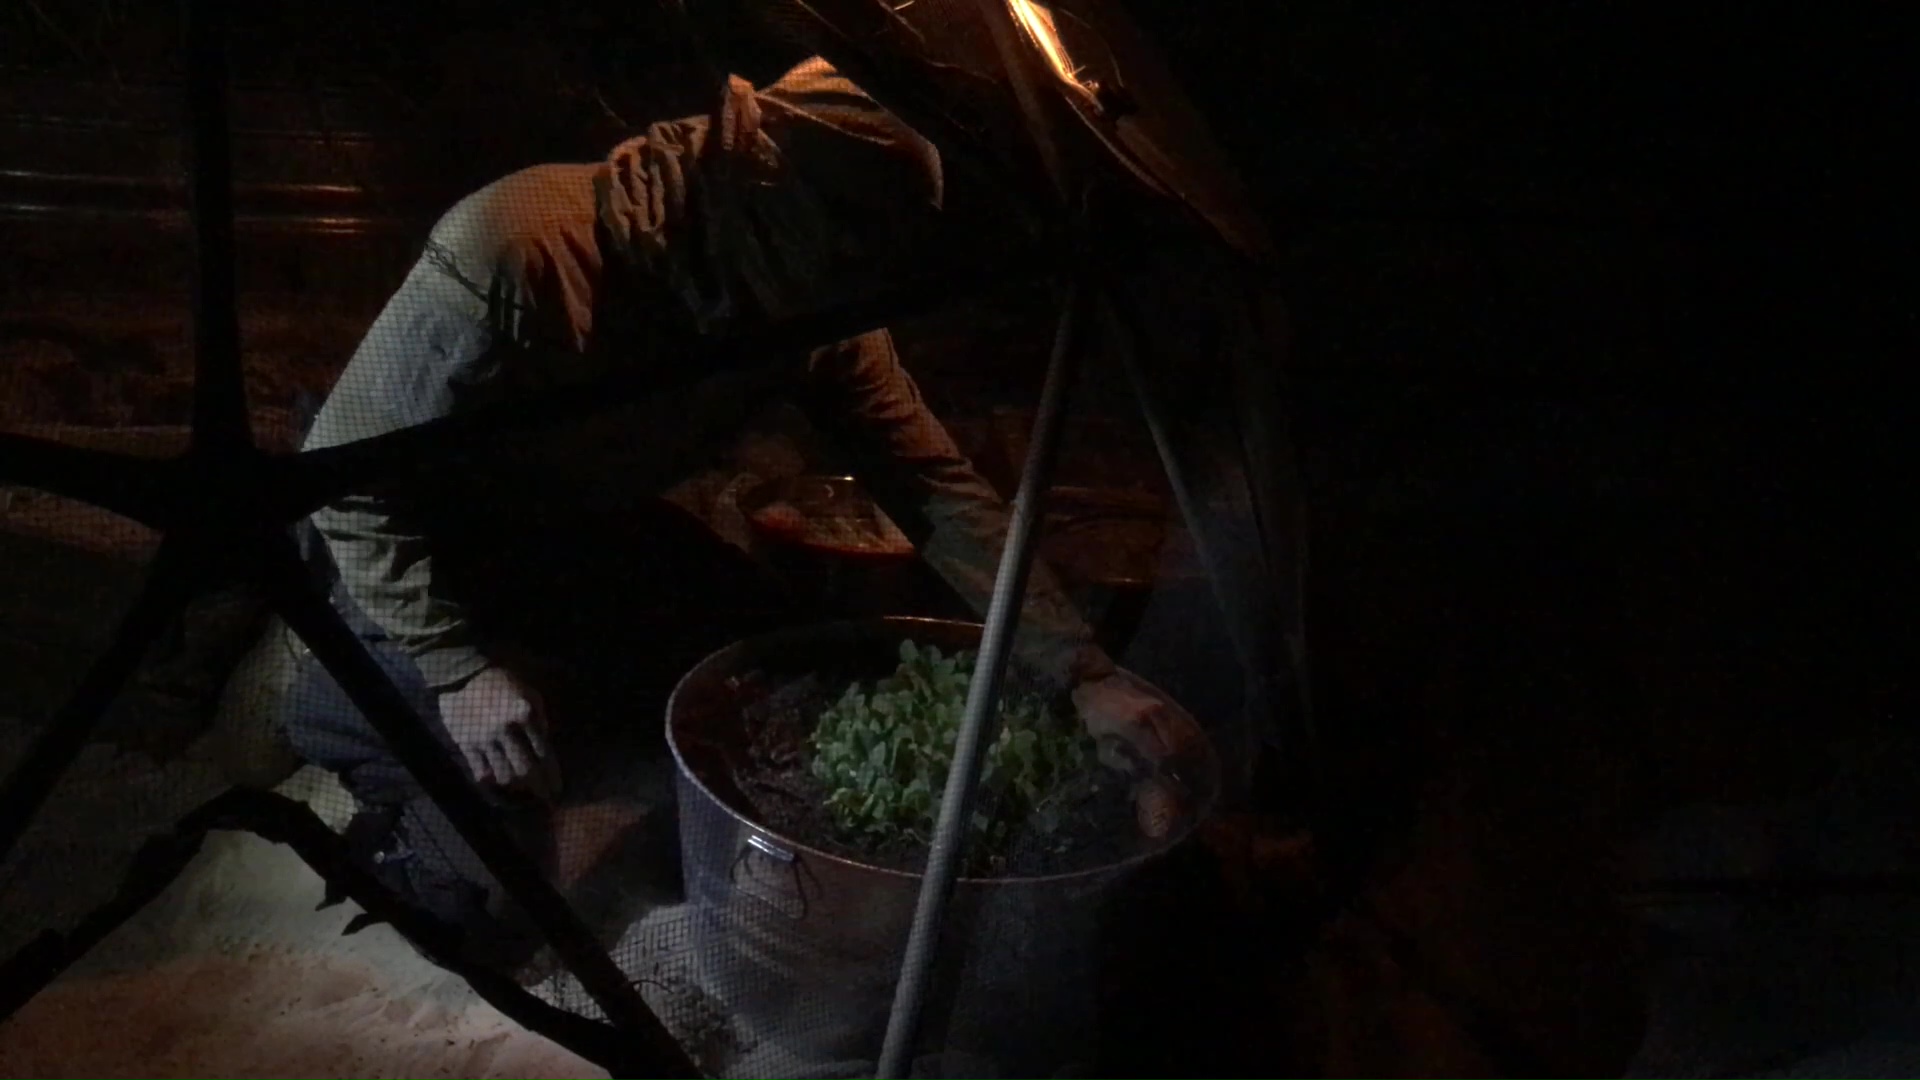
(499, 725)
(1135, 732)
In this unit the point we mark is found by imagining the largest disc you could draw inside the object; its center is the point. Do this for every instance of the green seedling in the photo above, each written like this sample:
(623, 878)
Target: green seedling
(884, 752)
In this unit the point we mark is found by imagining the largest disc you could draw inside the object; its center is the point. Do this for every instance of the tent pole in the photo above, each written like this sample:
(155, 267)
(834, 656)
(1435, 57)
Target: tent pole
(978, 723)
(219, 412)
(1208, 543)
(1010, 582)
(219, 387)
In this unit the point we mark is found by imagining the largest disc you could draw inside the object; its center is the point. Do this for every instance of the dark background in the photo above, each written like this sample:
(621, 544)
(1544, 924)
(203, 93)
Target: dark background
(1599, 331)
(1598, 312)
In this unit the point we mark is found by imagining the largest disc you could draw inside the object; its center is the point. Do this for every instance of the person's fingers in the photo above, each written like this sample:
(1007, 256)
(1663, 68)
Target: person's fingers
(477, 765)
(513, 748)
(498, 764)
(1114, 709)
(546, 766)
(1156, 807)
(535, 734)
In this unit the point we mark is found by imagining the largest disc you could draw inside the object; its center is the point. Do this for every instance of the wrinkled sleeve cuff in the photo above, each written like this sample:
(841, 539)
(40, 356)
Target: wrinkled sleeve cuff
(449, 667)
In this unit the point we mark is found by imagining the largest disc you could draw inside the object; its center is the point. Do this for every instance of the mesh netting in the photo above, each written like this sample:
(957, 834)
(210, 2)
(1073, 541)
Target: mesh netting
(535, 582)
(72, 573)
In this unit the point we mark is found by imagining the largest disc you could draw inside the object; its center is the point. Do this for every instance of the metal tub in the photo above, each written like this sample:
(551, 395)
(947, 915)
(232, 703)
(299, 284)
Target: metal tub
(802, 947)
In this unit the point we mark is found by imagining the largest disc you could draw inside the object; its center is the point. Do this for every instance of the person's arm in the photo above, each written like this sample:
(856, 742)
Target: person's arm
(429, 337)
(910, 464)
(375, 537)
(908, 461)
(386, 569)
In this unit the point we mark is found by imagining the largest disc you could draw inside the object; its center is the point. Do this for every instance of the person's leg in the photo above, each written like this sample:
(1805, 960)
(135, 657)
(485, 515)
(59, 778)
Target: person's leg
(608, 631)
(502, 301)
(398, 830)
(246, 741)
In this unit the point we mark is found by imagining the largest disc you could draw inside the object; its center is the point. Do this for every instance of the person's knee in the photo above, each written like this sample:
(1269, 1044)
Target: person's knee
(327, 728)
(247, 742)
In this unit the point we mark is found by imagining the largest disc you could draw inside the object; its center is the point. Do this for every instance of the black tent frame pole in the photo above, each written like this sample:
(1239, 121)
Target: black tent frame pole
(278, 819)
(220, 430)
(979, 721)
(222, 521)
(220, 423)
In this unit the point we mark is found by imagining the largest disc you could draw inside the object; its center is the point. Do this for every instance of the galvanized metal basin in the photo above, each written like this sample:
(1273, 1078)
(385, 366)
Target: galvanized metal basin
(803, 946)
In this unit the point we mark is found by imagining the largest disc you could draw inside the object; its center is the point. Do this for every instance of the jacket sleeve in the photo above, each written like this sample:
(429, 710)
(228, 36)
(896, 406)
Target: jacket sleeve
(375, 537)
(909, 462)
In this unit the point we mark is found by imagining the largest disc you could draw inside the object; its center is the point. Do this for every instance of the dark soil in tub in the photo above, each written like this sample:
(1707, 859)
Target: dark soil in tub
(782, 794)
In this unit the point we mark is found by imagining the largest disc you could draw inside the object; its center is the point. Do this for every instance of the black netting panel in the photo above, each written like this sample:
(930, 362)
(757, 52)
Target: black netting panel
(741, 523)
(71, 575)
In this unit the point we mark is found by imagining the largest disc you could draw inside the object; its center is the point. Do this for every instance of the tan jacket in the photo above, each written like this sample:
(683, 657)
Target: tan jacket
(813, 190)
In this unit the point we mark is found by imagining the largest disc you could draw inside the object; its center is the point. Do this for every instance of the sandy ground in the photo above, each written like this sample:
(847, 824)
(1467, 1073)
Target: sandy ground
(269, 1013)
(232, 972)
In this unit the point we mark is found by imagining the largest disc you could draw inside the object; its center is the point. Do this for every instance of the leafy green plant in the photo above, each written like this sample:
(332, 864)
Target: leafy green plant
(884, 753)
